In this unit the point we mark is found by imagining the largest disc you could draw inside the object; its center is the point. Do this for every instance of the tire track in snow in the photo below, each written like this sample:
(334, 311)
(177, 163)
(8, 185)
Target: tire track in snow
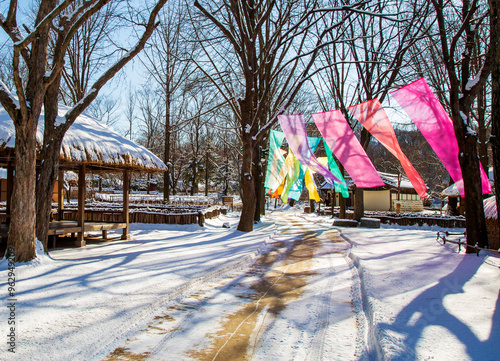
(366, 316)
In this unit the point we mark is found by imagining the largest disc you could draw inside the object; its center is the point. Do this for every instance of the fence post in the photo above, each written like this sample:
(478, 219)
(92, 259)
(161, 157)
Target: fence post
(200, 218)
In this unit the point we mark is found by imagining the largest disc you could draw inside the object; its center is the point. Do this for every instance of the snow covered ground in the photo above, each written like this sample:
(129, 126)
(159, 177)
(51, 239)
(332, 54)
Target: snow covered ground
(293, 289)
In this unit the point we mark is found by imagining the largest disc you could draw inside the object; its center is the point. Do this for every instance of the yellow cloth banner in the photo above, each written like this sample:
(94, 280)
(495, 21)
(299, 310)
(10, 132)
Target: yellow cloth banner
(311, 186)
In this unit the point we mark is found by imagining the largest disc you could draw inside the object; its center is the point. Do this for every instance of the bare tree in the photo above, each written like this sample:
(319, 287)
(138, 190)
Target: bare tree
(198, 133)
(6, 74)
(42, 88)
(105, 109)
(167, 61)
(89, 51)
(150, 133)
(457, 45)
(130, 111)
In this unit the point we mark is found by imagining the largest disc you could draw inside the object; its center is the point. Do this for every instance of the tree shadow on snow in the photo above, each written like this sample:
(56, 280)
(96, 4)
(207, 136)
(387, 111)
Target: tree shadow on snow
(428, 309)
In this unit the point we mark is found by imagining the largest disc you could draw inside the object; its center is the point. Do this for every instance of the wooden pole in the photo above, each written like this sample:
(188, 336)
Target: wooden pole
(80, 240)
(126, 218)
(10, 187)
(341, 206)
(60, 195)
(332, 201)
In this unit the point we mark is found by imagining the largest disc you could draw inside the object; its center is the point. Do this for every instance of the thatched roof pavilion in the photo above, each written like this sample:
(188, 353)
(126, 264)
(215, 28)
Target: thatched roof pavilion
(87, 145)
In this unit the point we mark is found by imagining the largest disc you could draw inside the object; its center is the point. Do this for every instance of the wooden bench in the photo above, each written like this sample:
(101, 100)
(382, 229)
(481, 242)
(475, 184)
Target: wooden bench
(71, 227)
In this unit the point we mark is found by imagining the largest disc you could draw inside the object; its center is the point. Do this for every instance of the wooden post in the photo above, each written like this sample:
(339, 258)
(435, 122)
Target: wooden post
(80, 240)
(341, 206)
(125, 234)
(10, 187)
(332, 201)
(60, 195)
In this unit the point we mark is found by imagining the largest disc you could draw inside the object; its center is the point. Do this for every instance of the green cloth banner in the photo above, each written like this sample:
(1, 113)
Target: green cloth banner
(339, 187)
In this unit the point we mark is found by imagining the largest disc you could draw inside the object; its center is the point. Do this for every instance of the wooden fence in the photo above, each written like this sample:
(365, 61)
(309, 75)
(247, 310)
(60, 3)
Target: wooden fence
(179, 216)
(408, 220)
(450, 222)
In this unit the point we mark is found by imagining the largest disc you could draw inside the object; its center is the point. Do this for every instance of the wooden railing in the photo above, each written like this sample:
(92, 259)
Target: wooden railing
(407, 219)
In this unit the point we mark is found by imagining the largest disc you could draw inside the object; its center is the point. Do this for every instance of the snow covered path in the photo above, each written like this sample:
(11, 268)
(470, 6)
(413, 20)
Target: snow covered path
(293, 304)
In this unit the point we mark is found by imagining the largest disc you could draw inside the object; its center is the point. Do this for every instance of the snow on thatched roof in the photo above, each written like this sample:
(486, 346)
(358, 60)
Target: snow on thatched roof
(392, 180)
(451, 191)
(490, 208)
(90, 141)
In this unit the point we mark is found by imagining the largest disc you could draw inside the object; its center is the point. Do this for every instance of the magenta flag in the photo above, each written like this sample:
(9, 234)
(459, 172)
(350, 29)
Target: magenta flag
(373, 117)
(294, 128)
(425, 110)
(344, 144)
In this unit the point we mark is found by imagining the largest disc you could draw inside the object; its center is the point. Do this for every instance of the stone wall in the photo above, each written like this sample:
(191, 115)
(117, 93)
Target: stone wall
(409, 205)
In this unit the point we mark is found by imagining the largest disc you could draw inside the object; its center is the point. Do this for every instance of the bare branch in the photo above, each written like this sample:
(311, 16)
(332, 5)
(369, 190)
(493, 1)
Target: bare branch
(150, 27)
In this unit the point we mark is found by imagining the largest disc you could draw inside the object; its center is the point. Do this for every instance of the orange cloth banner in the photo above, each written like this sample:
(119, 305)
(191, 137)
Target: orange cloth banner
(373, 117)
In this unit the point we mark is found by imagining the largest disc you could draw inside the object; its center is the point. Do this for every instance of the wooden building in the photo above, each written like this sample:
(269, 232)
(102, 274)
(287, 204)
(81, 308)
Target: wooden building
(396, 189)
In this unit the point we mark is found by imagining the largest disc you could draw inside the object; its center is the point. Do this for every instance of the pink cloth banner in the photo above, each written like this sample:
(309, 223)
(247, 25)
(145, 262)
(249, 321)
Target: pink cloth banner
(344, 144)
(294, 128)
(425, 110)
(373, 117)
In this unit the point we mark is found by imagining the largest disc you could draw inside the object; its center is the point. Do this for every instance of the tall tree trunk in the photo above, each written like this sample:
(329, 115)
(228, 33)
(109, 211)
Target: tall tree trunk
(49, 167)
(49, 171)
(341, 206)
(166, 155)
(22, 227)
(495, 99)
(21, 238)
(481, 131)
(207, 155)
(247, 186)
(262, 189)
(474, 211)
(257, 177)
(359, 205)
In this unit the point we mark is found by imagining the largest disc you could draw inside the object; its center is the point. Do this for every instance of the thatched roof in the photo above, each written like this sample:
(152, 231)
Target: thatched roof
(91, 142)
(451, 191)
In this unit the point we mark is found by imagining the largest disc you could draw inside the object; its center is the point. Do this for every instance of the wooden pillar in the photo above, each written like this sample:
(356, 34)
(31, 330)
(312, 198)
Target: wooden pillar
(10, 187)
(80, 241)
(341, 206)
(60, 195)
(125, 234)
(332, 201)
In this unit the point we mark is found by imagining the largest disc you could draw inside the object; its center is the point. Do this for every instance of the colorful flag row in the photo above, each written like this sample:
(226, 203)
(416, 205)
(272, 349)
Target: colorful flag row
(417, 100)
